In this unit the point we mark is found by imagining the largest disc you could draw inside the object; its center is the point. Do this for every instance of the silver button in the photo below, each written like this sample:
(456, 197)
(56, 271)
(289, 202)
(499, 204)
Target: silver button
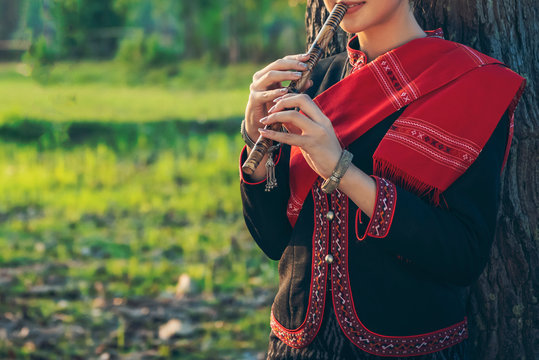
(329, 258)
(330, 215)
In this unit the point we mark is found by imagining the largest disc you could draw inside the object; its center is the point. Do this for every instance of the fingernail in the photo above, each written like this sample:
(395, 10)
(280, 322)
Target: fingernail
(297, 73)
(277, 99)
(264, 118)
(272, 108)
(262, 130)
(303, 65)
(283, 90)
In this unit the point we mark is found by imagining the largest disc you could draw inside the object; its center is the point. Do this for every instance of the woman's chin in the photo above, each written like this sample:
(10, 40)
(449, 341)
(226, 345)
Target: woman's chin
(353, 27)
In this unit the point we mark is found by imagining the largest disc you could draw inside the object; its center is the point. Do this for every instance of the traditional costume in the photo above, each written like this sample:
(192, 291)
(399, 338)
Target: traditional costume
(432, 122)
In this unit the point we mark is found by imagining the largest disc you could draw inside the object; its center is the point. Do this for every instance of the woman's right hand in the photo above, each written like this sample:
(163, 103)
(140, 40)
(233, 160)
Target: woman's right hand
(267, 86)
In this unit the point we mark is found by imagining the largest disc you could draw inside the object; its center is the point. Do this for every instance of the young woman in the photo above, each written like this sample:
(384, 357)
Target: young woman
(387, 191)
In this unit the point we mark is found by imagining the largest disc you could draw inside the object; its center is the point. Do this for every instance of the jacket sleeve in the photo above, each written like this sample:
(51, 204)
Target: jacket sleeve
(265, 212)
(450, 242)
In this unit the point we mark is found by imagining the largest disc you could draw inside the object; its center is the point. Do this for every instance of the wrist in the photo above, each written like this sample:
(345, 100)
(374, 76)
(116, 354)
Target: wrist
(360, 188)
(252, 131)
(332, 182)
(248, 138)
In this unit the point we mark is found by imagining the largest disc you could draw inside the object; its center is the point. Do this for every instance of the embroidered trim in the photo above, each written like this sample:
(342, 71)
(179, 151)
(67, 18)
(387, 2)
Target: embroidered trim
(394, 80)
(439, 33)
(294, 207)
(435, 143)
(243, 155)
(349, 322)
(359, 216)
(306, 332)
(384, 209)
(343, 302)
(356, 58)
(403, 77)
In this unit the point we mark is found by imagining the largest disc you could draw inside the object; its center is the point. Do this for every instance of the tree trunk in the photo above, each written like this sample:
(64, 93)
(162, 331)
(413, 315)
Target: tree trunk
(503, 308)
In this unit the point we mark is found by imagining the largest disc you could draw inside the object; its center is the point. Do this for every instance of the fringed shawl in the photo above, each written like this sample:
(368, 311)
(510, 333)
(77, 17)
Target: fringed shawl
(454, 97)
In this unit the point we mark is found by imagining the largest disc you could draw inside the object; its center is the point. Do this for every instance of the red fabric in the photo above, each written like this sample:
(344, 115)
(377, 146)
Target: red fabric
(455, 97)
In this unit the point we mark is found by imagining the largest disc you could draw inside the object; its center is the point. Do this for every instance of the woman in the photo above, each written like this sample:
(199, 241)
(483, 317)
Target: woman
(387, 191)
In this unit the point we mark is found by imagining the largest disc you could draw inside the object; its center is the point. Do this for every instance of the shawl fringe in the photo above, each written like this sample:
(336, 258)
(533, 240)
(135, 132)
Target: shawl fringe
(385, 169)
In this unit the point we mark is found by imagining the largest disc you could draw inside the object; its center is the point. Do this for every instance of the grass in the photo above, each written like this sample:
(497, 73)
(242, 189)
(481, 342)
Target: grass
(105, 92)
(110, 192)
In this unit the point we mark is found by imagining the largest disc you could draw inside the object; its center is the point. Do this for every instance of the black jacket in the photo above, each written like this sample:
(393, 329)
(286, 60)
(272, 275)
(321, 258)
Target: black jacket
(408, 284)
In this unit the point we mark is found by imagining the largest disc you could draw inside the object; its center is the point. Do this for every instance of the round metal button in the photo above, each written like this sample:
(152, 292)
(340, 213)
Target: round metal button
(330, 215)
(329, 258)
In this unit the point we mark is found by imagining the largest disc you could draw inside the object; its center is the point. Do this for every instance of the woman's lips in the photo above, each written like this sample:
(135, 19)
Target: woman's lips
(353, 7)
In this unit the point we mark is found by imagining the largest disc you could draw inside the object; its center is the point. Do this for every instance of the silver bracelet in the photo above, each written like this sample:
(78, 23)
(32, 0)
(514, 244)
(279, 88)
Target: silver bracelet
(331, 183)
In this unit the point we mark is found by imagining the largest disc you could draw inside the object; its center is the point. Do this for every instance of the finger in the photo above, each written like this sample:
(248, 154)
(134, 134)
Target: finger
(304, 103)
(283, 96)
(308, 85)
(287, 138)
(268, 95)
(299, 57)
(274, 77)
(290, 117)
(282, 64)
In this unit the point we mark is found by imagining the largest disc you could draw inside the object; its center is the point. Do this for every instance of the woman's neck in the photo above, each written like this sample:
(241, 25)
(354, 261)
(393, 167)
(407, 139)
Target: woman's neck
(394, 32)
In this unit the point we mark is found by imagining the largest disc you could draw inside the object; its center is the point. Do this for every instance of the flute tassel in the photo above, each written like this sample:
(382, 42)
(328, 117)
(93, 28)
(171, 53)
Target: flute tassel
(271, 180)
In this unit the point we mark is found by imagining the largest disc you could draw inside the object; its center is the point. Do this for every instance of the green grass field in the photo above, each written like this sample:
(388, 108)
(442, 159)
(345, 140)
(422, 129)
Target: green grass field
(111, 190)
(103, 92)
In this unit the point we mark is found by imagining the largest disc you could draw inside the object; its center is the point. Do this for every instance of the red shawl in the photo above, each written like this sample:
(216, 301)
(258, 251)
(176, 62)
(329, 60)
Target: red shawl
(455, 97)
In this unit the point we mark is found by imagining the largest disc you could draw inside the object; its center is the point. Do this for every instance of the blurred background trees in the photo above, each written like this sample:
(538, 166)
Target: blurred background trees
(152, 32)
(121, 231)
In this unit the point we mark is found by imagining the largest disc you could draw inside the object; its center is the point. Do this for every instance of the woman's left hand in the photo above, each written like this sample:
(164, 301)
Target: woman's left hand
(311, 131)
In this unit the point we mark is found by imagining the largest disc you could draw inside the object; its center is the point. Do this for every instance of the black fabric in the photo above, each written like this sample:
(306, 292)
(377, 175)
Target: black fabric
(331, 344)
(414, 280)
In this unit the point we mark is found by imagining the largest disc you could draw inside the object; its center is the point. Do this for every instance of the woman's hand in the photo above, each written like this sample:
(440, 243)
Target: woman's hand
(313, 133)
(267, 86)
(310, 130)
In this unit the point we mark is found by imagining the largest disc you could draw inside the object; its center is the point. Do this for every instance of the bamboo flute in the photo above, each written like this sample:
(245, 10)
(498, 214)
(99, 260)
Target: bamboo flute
(315, 53)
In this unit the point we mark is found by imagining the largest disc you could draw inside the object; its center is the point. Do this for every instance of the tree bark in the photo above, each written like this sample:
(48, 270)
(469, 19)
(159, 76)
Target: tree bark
(503, 309)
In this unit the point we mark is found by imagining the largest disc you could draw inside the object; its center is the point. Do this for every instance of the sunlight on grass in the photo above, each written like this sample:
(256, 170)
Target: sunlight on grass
(102, 92)
(110, 192)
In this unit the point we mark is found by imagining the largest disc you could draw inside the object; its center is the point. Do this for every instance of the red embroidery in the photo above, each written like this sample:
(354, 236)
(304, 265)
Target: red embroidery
(435, 143)
(384, 209)
(294, 207)
(439, 33)
(349, 322)
(394, 80)
(356, 58)
(306, 332)
(343, 302)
